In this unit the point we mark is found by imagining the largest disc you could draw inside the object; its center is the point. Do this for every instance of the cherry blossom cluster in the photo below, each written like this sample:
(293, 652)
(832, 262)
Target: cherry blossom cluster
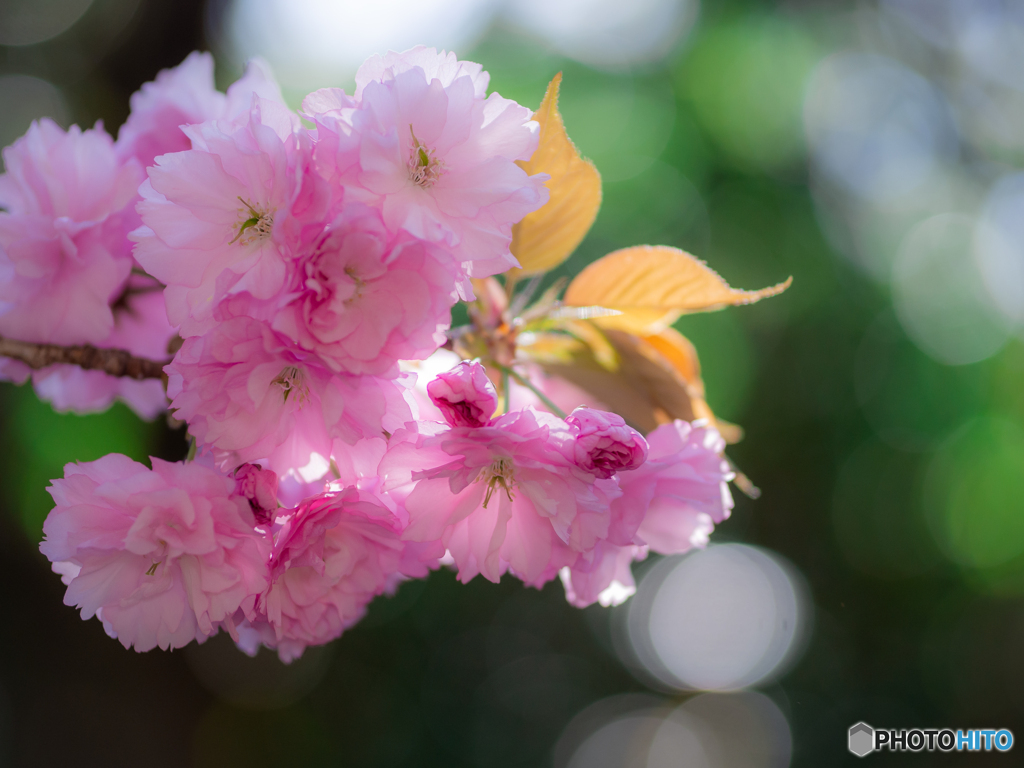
(293, 264)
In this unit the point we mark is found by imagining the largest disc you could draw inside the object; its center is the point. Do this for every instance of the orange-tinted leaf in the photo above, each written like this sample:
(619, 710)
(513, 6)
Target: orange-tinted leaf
(546, 237)
(657, 379)
(653, 285)
(682, 355)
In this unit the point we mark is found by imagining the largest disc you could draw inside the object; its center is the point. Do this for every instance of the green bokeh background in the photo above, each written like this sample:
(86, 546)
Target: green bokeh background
(894, 483)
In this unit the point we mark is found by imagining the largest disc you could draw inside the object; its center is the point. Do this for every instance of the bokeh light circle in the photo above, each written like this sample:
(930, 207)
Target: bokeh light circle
(736, 730)
(875, 127)
(724, 618)
(999, 246)
(940, 296)
(26, 98)
(746, 81)
(619, 743)
(712, 730)
(27, 22)
(607, 33)
(318, 43)
(974, 494)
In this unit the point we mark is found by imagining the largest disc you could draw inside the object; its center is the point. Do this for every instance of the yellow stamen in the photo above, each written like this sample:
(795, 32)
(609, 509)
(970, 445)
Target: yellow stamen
(502, 473)
(424, 168)
(256, 223)
(292, 379)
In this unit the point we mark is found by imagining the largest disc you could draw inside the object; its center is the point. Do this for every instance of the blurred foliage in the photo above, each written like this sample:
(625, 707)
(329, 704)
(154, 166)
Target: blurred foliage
(38, 442)
(745, 79)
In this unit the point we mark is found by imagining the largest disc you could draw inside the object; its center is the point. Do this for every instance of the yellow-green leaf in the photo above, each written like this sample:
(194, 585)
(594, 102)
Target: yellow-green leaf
(546, 237)
(651, 285)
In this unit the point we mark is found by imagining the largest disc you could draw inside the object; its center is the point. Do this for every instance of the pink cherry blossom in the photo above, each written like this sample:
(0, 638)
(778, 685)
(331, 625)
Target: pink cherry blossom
(444, 67)
(361, 300)
(669, 505)
(161, 556)
(464, 395)
(504, 496)
(180, 96)
(604, 444)
(333, 555)
(63, 250)
(682, 489)
(605, 577)
(435, 155)
(185, 95)
(140, 327)
(248, 395)
(217, 218)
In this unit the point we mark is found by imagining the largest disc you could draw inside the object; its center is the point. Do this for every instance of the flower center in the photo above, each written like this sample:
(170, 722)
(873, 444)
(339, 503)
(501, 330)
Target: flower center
(292, 380)
(424, 168)
(254, 223)
(359, 283)
(501, 472)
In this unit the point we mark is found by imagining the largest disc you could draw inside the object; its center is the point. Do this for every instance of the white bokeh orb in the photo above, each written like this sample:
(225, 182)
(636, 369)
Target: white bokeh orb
(724, 618)
(318, 43)
(874, 127)
(940, 296)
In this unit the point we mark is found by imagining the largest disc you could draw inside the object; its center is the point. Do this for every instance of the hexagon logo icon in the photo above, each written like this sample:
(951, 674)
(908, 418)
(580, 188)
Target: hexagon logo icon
(861, 739)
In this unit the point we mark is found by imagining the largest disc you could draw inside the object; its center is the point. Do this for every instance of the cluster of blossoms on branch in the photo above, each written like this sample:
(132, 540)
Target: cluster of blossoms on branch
(302, 268)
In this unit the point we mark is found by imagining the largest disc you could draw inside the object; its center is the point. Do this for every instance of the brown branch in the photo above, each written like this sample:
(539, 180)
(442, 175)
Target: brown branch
(115, 362)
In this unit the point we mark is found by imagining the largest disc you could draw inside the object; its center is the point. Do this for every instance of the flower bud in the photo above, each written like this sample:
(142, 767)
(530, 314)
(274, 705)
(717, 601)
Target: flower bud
(259, 486)
(464, 395)
(604, 444)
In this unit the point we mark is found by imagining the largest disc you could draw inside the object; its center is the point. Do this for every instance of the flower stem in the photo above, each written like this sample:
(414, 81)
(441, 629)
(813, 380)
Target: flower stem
(529, 385)
(506, 395)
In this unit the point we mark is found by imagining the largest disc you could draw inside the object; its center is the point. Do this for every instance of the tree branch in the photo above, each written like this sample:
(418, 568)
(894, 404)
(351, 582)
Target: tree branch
(115, 362)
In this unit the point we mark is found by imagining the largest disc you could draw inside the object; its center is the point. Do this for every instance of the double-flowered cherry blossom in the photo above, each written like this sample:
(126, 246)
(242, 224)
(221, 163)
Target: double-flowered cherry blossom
(161, 556)
(310, 270)
(332, 556)
(682, 490)
(185, 95)
(503, 494)
(247, 394)
(215, 216)
(669, 505)
(436, 154)
(362, 299)
(64, 256)
(66, 268)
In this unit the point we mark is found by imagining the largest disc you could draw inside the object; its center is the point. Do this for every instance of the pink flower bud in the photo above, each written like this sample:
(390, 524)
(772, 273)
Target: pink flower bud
(259, 486)
(465, 395)
(604, 444)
